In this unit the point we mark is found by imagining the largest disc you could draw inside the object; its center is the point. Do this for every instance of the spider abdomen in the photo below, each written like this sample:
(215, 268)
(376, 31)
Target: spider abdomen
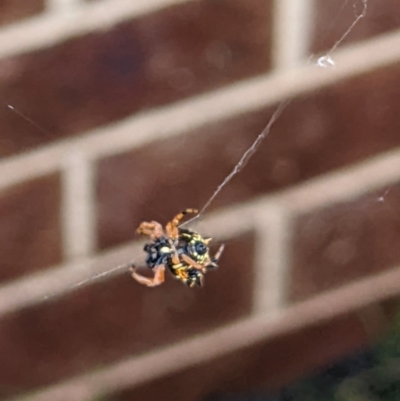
(182, 251)
(158, 252)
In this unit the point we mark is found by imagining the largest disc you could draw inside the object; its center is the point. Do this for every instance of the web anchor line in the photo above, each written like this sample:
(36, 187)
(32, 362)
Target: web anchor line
(324, 61)
(244, 159)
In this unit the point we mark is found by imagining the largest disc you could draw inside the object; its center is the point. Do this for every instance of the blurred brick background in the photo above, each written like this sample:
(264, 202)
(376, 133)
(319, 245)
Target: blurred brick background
(140, 109)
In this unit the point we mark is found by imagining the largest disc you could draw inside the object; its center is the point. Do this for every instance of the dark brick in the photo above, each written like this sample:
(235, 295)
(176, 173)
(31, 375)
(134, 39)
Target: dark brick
(345, 242)
(318, 132)
(334, 18)
(14, 10)
(154, 60)
(116, 318)
(30, 233)
(267, 365)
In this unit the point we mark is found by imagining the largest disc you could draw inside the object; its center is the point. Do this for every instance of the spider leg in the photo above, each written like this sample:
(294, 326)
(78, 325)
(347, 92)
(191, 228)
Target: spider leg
(181, 273)
(214, 260)
(201, 281)
(175, 254)
(175, 221)
(157, 279)
(172, 226)
(187, 259)
(153, 230)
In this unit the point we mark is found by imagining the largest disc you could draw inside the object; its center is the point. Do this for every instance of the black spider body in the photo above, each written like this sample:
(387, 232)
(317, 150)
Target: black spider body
(194, 245)
(183, 252)
(159, 252)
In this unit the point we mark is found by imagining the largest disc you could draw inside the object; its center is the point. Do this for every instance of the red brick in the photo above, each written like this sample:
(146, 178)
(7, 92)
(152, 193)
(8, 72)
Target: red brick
(334, 18)
(151, 61)
(268, 365)
(14, 10)
(345, 242)
(317, 133)
(116, 318)
(30, 233)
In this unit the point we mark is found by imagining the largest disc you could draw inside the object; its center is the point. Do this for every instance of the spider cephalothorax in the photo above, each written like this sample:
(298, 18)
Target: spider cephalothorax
(194, 245)
(184, 252)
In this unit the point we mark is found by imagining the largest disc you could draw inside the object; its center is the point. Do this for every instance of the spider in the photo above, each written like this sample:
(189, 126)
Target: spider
(184, 252)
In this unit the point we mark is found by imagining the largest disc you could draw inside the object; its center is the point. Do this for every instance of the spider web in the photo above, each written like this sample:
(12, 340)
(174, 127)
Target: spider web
(325, 61)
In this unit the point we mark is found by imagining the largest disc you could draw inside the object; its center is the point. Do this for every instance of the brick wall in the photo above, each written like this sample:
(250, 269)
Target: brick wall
(141, 109)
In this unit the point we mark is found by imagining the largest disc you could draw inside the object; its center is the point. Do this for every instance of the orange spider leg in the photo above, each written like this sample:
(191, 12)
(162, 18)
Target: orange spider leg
(181, 273)
(172, 226)
(175, 255)
(157, 279)
(175, 221)
(153, 230)
(192, 263)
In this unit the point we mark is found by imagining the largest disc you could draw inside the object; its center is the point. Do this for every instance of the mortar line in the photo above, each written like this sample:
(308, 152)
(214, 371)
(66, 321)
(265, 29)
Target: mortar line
(188, 115)
(292, 24)
(63, 7)
(271, 258)
(204, 348)
(78, 201)
(51, 28)
(224, 224)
